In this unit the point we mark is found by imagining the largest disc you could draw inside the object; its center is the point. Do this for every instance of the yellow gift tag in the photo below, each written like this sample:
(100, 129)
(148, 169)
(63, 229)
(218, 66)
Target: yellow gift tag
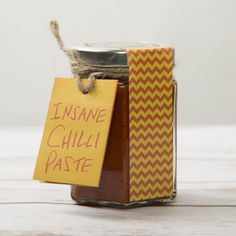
(75, 134)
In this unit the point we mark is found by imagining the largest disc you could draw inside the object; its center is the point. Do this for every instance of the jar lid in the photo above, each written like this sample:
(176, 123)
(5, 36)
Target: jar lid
(109, 53)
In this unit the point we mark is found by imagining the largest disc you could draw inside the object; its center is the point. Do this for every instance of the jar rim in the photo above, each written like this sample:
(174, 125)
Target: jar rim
(110, 53)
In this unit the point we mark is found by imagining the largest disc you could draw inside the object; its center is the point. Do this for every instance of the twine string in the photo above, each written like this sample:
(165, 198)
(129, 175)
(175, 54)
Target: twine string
(80, 69)
(73, 61)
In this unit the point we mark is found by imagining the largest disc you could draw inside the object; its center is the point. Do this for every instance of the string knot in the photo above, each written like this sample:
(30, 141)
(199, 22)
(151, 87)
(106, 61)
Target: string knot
(75, 65)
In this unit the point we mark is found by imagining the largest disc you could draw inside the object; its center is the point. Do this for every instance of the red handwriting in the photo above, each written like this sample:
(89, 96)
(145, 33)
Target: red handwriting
(62, 111)
(60, 137)
(67, 163)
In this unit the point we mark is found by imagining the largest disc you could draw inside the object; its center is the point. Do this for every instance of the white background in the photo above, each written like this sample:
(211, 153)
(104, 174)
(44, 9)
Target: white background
(203, 33)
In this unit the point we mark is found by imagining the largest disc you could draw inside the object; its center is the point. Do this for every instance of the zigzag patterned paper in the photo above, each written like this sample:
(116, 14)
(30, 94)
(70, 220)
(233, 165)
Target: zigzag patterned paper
(150, 123)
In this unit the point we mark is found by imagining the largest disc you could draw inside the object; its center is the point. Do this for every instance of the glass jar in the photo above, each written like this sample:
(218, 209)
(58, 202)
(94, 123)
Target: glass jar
(115, 188)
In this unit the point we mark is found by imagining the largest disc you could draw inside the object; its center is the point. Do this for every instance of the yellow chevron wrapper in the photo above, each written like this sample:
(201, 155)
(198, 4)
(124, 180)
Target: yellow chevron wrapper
(150, 123)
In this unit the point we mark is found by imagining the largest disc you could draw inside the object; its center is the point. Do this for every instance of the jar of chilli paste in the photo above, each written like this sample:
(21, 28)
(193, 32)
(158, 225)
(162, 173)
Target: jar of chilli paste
(139, 167)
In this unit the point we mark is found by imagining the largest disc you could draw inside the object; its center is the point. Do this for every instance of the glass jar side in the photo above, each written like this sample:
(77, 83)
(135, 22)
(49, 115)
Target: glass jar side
(114, 182)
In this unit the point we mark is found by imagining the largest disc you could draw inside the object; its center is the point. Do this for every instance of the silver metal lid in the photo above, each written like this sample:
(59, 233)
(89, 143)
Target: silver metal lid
(109, 53)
